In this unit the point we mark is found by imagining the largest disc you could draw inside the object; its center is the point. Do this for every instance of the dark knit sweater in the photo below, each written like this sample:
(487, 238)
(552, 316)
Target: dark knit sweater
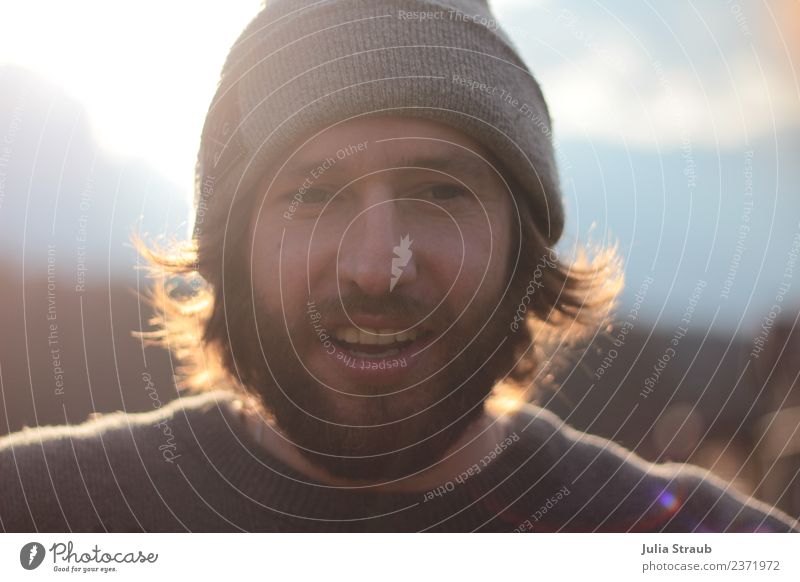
(192, 466)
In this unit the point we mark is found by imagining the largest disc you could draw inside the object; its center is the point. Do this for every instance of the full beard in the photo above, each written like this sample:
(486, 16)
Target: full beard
(383, 436)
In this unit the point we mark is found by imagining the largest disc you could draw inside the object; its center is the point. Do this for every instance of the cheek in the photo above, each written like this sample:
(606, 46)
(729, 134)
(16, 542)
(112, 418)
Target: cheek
(281, 263)
(477, 265)
(484, 265)
(264, 256)
(487, 245)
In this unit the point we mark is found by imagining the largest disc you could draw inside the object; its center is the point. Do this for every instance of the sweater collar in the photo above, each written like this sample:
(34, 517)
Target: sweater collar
(259, 478)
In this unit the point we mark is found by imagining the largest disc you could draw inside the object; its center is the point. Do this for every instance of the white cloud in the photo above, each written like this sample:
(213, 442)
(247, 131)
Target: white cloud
(653, 103)
(658, 76)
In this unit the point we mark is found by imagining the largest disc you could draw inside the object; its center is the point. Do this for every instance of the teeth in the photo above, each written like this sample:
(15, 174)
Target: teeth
(386, 337)
(375, 337)
(387, 354)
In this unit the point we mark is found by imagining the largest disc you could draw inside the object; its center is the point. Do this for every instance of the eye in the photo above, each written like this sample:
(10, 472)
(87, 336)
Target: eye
(446, 192)
(315, 196)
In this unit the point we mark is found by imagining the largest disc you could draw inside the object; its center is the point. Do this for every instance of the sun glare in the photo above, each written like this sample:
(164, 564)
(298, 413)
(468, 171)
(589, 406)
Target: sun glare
(144, 71)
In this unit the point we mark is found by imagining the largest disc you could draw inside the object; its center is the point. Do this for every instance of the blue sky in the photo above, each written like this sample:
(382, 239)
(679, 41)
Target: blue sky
(660, 110)
(678, 133)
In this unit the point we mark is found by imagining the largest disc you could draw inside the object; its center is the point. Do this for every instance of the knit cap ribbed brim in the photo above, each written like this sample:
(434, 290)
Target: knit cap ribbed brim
(302, 66)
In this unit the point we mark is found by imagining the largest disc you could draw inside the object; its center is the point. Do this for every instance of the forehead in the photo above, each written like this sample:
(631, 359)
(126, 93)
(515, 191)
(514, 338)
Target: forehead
(377, 143)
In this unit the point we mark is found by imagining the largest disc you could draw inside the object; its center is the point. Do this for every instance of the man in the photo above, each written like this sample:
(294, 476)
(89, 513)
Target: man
(373, 278)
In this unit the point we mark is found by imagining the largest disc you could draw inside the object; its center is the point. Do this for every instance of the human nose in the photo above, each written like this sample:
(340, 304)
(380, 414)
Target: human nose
(377, 254)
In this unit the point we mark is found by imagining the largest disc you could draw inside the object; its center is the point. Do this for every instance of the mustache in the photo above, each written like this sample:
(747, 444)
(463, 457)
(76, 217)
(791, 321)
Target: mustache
(391, 305)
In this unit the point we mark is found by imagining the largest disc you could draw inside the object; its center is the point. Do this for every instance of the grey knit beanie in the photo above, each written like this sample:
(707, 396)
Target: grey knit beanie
(303, 65)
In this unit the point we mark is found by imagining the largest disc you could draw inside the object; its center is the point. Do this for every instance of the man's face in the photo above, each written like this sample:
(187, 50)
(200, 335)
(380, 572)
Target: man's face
(380, 254)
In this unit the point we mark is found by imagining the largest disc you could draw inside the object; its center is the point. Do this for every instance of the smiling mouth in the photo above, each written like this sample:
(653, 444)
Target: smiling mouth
(368, 342)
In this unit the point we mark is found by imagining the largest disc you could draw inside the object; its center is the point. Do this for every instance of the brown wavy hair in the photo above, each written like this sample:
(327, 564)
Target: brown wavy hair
(568, 303)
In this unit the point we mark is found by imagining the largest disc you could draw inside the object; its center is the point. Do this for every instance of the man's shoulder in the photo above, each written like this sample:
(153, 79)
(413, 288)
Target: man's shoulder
(104, 430)
(612, 488)
(53, 477)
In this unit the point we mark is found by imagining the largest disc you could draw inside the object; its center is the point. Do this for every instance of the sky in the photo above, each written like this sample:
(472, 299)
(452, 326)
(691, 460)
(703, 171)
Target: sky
(659, 111)
(717, 73)
(145, 70)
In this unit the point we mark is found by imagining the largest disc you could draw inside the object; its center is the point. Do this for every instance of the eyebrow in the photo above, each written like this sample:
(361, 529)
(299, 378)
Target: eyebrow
(457, 165)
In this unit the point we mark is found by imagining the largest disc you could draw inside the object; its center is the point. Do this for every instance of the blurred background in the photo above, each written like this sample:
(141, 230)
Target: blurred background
(677, 129)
